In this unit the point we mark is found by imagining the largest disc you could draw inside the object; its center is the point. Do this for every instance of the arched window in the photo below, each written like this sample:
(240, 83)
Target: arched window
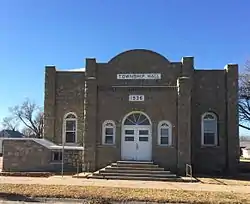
(164, 133)
(70, 128)
(209, 129)
(136, 118)
(108, 132)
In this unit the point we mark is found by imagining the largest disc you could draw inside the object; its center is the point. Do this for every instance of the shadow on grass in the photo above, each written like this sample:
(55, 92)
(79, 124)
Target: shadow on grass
(16, 197)
(243, 174)
(22, 198)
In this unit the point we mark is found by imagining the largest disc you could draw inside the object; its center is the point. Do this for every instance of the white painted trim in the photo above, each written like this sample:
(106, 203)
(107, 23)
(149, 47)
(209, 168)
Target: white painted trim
(202, 130)
(136, 98)
(135, 126)
(133, 112)
(103, 132)
(138, 76)
(64, 127)
(169, 131)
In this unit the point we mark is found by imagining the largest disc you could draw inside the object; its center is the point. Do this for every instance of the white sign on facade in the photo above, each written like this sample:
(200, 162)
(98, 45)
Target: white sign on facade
(139, 76)
(136, 97)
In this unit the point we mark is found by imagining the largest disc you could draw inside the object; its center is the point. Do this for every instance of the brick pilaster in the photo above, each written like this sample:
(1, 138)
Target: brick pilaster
(184, 123)
(232, 117)
(49, 103)
(90, 115)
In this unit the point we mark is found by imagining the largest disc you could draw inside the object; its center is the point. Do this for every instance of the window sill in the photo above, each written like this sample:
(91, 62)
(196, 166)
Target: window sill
(165, 146)
(107, 145)
(71, 144)
(210, 146)
(55, 162)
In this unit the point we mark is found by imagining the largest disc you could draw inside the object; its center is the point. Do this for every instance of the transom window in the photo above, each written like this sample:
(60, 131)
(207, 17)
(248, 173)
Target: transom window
(137, 119)
(70, 128)
(164, 133)
(209, 129)
(108, 132)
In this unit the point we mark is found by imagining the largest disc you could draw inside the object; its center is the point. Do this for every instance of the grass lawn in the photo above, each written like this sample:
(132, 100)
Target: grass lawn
(106, 194)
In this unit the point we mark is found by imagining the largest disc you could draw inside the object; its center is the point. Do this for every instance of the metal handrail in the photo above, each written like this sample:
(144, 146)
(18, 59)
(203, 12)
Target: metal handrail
(189, 171)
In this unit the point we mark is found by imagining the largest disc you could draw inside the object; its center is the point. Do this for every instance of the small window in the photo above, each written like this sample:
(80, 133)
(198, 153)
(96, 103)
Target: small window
(70, 128)
(209, 129)
(56, 156)
(164, 133)
(143, 132)
(129, 139)
(108, 132)
(143, 139)
(129, 132)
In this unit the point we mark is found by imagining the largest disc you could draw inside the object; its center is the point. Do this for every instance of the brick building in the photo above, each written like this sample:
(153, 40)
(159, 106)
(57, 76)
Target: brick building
(141, 106)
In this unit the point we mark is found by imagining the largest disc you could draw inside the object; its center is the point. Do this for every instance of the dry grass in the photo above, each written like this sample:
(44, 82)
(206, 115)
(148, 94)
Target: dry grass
(106, 194)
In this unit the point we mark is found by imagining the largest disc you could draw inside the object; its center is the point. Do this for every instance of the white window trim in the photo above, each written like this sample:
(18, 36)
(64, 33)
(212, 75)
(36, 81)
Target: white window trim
(202, 130)
(159, 133)
(64, 128)
(103, 132)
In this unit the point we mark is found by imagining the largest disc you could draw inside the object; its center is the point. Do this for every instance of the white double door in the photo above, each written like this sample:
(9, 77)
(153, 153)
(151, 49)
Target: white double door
(136, 143)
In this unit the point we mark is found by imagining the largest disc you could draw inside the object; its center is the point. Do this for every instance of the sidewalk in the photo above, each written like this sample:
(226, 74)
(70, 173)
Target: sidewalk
(68, 180)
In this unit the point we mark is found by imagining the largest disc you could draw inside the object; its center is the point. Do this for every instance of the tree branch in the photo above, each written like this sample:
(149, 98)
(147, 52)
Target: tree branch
(245, 127)
(31, 116)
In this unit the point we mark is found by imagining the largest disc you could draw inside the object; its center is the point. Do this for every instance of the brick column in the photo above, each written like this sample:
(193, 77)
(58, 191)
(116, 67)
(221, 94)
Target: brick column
(184, 140)
(232, 117)
(184, 123)
(187, 67)
(49, 103)
(90, 115)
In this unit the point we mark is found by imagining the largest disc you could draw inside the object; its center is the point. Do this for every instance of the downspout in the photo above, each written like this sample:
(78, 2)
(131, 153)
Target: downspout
(84, 125)
(177, 126)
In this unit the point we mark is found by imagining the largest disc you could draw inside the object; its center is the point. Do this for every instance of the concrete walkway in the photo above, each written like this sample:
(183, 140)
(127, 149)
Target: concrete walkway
(68, 180)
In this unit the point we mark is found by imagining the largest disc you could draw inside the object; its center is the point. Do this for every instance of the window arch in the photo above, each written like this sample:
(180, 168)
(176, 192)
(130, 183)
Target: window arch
(209, 129)
(137, 118)
(108, 132)
(70, 128)
(164, 133)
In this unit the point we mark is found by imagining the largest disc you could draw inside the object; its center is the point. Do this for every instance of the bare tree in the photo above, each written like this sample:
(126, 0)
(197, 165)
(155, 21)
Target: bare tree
(31, 115)
(10, 123)
(244, 98)
(27, 132)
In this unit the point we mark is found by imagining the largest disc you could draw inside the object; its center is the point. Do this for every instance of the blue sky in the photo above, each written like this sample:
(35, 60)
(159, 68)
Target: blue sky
(35, 33)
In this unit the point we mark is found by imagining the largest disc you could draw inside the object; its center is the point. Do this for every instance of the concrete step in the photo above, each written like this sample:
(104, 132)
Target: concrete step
(135, 165)
(134, 168)
(135, 178)
(135, 174)
(134, 162)
(145, 171)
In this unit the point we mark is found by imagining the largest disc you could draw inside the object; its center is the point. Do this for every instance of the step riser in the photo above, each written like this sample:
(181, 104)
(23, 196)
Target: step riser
(135, 178)
(134, 162)
(134, 171)
(136, 165)
(136, 175)
(133, 168)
